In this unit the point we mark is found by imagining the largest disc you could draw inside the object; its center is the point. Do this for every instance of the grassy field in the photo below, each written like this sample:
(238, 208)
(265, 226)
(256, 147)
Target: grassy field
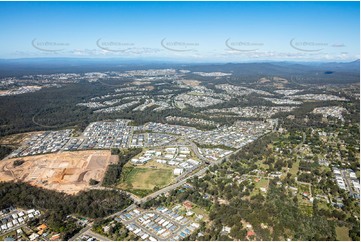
(262, 165)
(342, 234)
(262, 183)
(303, 188)
(142, 180)
(323, 205)
(295, 168)
(200, 211)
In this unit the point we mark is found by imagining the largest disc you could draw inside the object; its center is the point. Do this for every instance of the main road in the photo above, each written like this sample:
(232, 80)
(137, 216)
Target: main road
(139, 201)
(183, 181)
(179, 183)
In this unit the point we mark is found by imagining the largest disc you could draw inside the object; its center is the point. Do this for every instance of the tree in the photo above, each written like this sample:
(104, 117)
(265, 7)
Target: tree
(93, 182)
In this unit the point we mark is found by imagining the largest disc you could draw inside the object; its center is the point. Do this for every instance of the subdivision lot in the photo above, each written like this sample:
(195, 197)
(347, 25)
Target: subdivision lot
(158, 224)
(68, 172)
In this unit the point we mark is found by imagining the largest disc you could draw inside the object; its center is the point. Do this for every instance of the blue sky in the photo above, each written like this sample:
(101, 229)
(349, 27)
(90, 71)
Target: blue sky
(192, 31)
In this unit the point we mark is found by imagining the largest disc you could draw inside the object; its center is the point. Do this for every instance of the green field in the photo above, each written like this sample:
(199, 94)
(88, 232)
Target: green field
(342, 234)
(295, 168)
(262, 183)
(199, 211)
(141, 181)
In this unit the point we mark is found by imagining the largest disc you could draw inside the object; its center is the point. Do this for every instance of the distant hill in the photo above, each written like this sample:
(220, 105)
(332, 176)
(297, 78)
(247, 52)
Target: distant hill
(333, 73)
(306, 72)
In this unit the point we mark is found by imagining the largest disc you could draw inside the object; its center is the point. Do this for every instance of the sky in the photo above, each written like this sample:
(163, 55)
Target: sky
(185, 31)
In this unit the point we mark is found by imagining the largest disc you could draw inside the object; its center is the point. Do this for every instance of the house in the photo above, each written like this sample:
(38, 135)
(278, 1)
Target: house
(30, 211)
(168, 156)
(250, 233)
(187, 204)
(305, 194)
(178, 171)
(134, 160)
(42, 227)
(171, 150)
(55, 237)
(195, 225)
(226, 230)
(161, 161)
(33, 236)
(248, 226)
(106, 229)
(184, 150)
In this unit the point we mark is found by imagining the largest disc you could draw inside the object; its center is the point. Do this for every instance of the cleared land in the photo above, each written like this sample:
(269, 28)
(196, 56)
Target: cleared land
(67, 172)
(191, 83)
(17, 139)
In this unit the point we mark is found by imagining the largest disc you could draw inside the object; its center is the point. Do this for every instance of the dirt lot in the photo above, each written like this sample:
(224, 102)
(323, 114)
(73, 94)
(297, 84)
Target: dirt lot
(68, 172)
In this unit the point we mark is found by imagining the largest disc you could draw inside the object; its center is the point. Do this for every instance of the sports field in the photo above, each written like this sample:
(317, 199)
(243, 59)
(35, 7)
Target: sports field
(144, 178)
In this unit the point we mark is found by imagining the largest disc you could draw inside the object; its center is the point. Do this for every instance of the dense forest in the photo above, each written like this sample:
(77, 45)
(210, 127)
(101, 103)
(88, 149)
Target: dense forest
(57, 106)
(4, 151)
(277, 210)
(55, 109)
(57, 206)
(93, 203)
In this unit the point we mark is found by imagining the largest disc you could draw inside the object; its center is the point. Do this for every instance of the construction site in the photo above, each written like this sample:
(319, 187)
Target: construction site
(68, 172)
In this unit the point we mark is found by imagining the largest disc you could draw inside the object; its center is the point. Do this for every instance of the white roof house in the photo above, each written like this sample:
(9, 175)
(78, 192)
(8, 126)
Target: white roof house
(33, 236)
(178, 171)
